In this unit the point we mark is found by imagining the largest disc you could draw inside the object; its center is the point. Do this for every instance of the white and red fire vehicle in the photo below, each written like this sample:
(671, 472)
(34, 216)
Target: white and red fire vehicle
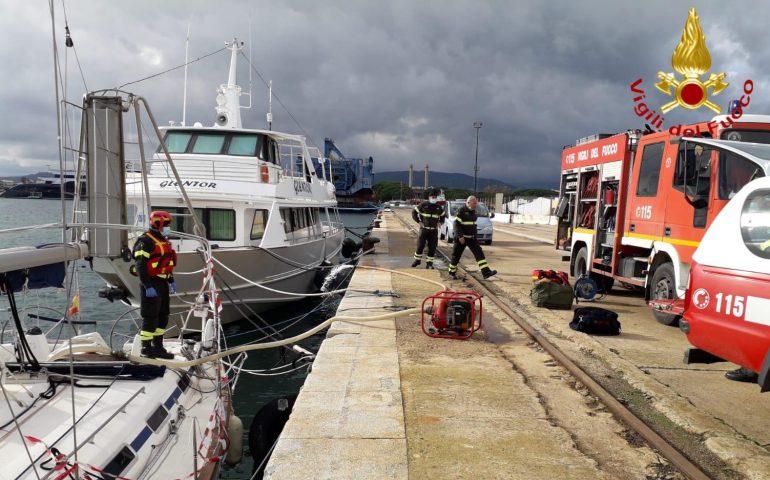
(727, 305)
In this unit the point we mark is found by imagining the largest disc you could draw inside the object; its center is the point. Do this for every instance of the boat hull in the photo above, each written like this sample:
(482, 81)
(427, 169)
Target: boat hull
(287, 273)
(171, 424)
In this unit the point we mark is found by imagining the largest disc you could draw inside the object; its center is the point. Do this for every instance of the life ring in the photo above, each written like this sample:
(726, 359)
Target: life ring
(264, 174)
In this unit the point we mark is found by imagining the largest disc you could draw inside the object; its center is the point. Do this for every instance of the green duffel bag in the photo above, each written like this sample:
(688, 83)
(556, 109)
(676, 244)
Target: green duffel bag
(551, 295)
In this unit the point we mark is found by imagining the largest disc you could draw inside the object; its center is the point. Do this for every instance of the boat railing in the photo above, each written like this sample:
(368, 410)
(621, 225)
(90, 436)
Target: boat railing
(63, 460)
(218, 169)
(18, 258)
(331, 227)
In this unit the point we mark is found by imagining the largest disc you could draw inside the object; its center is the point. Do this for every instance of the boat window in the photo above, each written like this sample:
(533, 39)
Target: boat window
(298, 218)
(176, 142)
(116, 466)
(286, 217)
(245, 145)
(209, 143)
(295, 219)
(735, 172)
(220, 224)
(258, 224)
(649, 170)
(755, 223)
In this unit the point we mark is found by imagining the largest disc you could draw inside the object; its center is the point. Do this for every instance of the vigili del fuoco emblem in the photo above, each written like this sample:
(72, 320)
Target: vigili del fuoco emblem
(691, 59)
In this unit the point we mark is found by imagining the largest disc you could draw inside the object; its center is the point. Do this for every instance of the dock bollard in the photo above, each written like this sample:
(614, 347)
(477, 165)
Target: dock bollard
(368, 243)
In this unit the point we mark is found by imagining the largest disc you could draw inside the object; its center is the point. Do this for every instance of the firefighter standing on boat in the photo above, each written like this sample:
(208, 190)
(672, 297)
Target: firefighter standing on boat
(429, 215)
(465, 236)
(155, 260)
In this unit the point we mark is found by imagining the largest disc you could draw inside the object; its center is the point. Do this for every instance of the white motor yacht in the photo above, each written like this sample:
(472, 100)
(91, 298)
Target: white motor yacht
(271, 220)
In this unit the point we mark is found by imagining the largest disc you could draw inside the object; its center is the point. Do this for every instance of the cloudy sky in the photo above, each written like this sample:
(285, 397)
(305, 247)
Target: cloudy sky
(400, 80)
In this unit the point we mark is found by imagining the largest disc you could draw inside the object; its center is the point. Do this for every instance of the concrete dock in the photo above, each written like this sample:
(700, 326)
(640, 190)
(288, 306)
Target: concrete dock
(385, 401)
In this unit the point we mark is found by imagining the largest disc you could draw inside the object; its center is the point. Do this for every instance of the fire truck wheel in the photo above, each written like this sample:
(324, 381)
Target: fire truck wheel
(664, 288)
(580, 267)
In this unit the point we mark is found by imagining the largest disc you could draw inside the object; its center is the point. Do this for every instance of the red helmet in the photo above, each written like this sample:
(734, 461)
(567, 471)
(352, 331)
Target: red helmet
(158, 218)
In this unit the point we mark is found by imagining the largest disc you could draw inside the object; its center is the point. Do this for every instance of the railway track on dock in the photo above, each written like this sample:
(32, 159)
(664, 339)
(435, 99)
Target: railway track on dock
(613, 404)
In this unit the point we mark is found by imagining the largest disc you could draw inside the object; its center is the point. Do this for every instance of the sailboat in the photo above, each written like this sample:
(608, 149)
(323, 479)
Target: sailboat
(89, 407)
(255, 195)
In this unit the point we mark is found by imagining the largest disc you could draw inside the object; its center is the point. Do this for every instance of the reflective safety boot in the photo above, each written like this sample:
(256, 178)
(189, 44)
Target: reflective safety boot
(147, 349)
(415, 263)
(158, 350)
(487, 272)
(429, 266)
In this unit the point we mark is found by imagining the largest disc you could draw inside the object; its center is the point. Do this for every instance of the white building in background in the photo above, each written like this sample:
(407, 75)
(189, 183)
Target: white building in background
(527, 210)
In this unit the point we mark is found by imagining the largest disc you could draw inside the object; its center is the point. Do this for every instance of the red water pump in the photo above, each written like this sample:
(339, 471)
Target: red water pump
(451, 314)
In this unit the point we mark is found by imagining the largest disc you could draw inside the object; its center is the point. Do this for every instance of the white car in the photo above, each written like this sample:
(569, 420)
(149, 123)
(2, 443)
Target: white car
(483, 224)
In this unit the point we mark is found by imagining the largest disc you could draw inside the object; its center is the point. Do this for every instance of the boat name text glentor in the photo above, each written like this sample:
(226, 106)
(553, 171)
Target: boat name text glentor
(188, 183)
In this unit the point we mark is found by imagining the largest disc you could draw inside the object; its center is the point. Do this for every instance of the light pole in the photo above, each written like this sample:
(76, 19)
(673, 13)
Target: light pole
(477, 126)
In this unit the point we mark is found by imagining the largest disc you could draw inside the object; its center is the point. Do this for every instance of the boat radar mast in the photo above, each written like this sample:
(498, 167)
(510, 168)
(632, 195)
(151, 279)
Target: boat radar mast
(228, 101)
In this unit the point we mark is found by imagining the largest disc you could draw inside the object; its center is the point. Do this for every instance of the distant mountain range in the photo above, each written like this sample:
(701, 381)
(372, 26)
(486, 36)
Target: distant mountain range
(439, 179)
(31, 176)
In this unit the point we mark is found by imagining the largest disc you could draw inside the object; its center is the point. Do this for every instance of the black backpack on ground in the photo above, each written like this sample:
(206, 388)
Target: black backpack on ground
(595, 320)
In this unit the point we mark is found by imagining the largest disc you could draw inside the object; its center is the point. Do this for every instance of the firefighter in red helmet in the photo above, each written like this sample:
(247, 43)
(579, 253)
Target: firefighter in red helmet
(155, 260)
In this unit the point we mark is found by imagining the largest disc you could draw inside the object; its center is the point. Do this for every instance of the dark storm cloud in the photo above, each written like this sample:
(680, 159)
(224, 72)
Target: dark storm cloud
(402, 81)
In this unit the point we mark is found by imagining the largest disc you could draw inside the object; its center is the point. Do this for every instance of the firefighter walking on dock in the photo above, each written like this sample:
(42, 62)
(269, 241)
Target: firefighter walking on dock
(429, 215)
(465, 236)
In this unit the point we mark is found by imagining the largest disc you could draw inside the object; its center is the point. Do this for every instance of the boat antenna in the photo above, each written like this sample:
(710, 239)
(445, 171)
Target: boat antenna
(250, 82)
(186, 62)
(270, 105)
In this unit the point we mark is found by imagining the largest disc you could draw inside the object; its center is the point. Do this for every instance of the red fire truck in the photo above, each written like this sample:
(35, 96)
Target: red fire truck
(634, 206)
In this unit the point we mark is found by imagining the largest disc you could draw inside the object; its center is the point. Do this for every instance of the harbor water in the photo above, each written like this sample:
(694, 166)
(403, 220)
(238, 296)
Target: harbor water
(253, 390)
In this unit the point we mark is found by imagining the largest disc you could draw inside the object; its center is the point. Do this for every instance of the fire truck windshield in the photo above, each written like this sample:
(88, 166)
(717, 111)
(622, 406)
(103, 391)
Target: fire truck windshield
(740, 162)
(734, 173)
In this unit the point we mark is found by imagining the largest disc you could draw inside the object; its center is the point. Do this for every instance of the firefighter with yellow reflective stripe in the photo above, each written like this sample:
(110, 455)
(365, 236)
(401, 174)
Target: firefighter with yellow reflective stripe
(429, 215)
(465, 236)
(155, 260)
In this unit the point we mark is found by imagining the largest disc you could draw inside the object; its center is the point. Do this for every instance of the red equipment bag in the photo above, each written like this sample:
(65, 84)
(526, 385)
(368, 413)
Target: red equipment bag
(552, 275)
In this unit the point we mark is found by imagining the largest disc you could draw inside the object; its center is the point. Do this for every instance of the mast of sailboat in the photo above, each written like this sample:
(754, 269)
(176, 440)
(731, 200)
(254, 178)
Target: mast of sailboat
(58, 123)
(186, 61)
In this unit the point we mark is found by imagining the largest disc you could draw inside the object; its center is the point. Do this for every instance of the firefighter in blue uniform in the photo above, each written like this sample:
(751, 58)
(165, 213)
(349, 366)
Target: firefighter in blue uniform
(429, 215)
(155, 260)
(465, 236)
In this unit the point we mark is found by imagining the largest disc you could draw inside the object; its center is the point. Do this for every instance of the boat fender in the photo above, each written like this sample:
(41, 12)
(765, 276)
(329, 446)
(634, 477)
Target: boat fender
(235, 435)
(266, 427)
(349, 247)
(209, 333)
